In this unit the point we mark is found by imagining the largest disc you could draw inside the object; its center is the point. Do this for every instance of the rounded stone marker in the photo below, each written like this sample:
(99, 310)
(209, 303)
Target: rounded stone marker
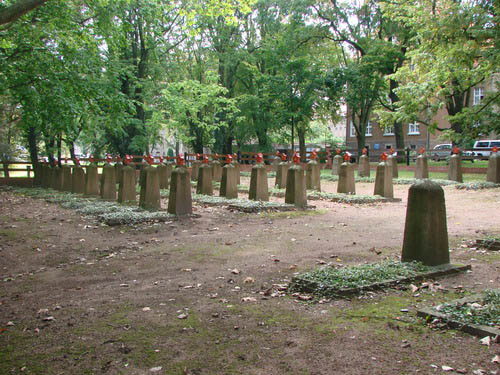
(281, 172)
(108, 181)
(67, 178)
(92, 179)
(195, 168)
(179, 200)
(393, 161)
(216, 169)
(163, 174)
(150, 187)
(228, 186)
(126, 189)
(493, 174)
(237, 168)
(295, 188)
(313, 178)
(421, 170)
(258, 181)
(346, 184)
(336, 162)
(455, 166)
(364, 164)
(383, 179)
(78, 178)
(204, 185)
(426, 233)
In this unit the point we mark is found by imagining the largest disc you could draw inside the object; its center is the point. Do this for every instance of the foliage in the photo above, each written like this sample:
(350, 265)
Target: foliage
(477, 186)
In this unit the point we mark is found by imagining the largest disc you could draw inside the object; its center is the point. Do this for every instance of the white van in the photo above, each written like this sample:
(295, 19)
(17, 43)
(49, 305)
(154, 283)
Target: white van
(483, 147)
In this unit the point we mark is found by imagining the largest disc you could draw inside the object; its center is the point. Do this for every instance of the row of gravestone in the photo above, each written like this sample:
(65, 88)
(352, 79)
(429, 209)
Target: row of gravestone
(421, 170)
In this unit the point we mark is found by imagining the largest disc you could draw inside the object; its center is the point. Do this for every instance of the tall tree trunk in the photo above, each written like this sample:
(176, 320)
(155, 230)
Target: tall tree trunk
(31, 136)
(398, 126)
(301, 134)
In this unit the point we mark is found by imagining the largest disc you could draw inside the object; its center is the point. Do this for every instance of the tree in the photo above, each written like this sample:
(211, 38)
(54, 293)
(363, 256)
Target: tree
(18, 9)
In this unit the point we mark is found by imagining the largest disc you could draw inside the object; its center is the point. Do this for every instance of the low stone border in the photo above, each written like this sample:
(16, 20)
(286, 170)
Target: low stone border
(473, 329)
(264, 208)
(493, 245)
(307, 286)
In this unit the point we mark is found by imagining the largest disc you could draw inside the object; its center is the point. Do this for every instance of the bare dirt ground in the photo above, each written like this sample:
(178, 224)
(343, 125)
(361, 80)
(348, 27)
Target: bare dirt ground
(77, 297)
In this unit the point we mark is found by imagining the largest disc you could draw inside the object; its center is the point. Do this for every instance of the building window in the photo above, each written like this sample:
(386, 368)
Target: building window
(478, 95)
(389, 130)
(352, 129)
(413, 128)
(369, 129)
(388, 147)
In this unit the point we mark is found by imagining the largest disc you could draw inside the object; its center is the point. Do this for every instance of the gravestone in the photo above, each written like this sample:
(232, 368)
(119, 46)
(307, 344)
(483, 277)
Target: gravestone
(149, 198)
(195, 168)
(108, 182)
(126, 189)
(228, 186)
(426, 233)
(118, 169)
(258, 181)
(179, 200)
(92, 179)
(455, 166)
(281, 172)
(204, 185)
(67, 178)
(313, 178)
(45, 169)
(393, 162)
(237, 168)
(162, 174)
(421, 170)
(57, 178)
(346, 184)
(493, 174)
(216, 169)
(78, 179)
(296, 193)
(336, 162)
(383, 179)
(364, 165)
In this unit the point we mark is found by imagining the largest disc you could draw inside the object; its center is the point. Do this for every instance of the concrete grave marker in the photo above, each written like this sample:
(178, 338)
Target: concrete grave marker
(162, 174)
(179, 200)
(195, 168)
(281, 172)
(346, 184)
(258, 181)
(216, 169)
(426, 233)
(92, 179)
(393, 161)
(126, 189)
(336, 162)
(383, 179)
(237, 167)
(204, 185)
(67, 179)
(364, 164)
(455, 166)
(296, 193)
(493, 174)
(108, 181)
(228, 186)
(150, 187)
(313, 178)
(421, 170)
(78, 178)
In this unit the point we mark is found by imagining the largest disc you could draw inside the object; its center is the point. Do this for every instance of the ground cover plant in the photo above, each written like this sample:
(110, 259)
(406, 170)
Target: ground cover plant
(485, 310)
(477, 185)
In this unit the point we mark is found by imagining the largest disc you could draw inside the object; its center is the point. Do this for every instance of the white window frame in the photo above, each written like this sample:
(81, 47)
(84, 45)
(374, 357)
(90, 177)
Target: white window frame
(413, 128)
(389, 130)
(352, 130)
(478, 95)
(369, 129)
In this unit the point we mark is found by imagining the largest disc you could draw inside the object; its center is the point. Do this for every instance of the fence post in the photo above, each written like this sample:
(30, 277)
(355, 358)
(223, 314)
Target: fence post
(407, 156)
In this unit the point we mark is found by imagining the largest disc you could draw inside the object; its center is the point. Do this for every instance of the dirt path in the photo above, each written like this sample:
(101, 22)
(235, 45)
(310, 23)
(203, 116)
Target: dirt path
(202, 295)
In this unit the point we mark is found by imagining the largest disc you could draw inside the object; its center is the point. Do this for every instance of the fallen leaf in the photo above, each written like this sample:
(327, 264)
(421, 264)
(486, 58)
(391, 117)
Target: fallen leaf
(249, 299)
(182, 316)
(496, 359)
(235, 271)
(485, 340)
(414, 288)
(447, 368)
(146, 309)
(249, 280)
(155, 369)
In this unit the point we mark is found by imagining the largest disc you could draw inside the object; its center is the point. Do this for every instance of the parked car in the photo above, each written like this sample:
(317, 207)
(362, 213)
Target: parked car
(443, 151)
(483, 148)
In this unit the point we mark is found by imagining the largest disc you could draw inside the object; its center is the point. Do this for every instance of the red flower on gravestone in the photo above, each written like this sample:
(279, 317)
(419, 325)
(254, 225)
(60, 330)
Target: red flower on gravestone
(54, 162)
(383, 157)
(314, 154)
(91, 158)
(235, 156)
(180, 160)
(422, 150)
(494, 149)
(205, 159)
(229, 159)
(338, 151)
(260, 158)
(296, 158)
(197, 156)
(65, 160)
(161, 159)
(278, 153)
(456, 150)
(216, 157)
(77, 161)
(126, 160)
(365, 150)
(347, 157)
(108, 158)
(283, 157)
(391, 151)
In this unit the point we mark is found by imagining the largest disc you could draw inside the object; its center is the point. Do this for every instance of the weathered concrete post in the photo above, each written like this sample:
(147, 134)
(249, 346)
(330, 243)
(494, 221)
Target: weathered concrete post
(313, 178)
(426, 233)
(118, 169)
(455, 166)
(150, 187)
(421, 170)
(204, 185)
(383, 179)
(493, 174)
(58, 178)
(179, 199)
(336, 162)
(346, 184)
(364, 164)
(281, 172)
(393, 161)
(228, 186)
(237, 167)
(92, 179)
(195, 167)
(126, 189)
(295, 188)
(108, 181)
(162, 174)
(67, 179)
(276, 161)
(45, 177)
(258, 181)
(78, 178)
(216, 169)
